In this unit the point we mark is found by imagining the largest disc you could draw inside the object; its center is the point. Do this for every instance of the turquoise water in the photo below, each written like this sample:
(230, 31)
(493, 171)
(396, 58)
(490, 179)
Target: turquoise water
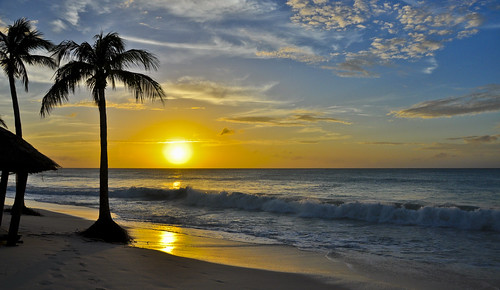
(447, 219)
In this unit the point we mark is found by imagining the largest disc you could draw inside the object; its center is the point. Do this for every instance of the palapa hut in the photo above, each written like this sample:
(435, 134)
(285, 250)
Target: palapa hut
(18, 156)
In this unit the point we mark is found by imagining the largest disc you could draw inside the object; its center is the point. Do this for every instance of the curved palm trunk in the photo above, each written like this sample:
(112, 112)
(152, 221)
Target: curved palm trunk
(104, 211)
(21, 177)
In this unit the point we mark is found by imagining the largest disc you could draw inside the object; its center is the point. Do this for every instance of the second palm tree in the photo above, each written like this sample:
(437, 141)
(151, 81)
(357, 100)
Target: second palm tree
(96, 65)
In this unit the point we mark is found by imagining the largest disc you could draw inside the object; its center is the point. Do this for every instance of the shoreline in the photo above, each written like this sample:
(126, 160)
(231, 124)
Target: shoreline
(284, 267)
(53, 256)
(195, 244)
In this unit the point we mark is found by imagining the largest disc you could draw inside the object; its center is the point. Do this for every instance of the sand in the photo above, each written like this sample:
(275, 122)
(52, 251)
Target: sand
(52, 256)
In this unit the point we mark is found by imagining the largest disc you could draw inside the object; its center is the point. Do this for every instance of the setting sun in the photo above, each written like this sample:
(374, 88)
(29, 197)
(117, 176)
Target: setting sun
(177, 152)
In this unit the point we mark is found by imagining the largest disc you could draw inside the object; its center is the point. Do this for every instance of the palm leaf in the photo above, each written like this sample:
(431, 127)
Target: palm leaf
(141, 85)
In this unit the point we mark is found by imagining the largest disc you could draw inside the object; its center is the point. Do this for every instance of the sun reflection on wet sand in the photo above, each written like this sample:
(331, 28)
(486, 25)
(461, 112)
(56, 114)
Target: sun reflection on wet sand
(193, 244)
(167, 241)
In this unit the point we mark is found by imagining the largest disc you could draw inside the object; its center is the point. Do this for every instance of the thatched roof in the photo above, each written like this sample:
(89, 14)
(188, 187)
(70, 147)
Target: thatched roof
(17, 155)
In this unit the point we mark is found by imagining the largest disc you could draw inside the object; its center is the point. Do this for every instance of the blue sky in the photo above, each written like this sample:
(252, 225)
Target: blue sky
(298, 83)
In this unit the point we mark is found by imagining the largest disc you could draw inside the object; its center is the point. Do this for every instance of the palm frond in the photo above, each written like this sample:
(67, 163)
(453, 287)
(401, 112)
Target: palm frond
(104, 61)
(109, 44)
(67, 79)
(40, 60)
(33, 40)
(85, 53)
(63, 50)
(141, 85)
(136, 57)
(20, 71)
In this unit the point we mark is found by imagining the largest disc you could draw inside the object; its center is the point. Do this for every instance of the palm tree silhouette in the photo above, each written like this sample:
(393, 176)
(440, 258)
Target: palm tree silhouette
(16, 46)
(96, 65)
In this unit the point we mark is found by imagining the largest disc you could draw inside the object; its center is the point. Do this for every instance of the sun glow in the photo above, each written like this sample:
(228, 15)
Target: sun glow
(178, 152)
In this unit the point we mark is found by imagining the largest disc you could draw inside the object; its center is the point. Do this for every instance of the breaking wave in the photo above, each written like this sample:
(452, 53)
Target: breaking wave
(463, 217)
(452, 216)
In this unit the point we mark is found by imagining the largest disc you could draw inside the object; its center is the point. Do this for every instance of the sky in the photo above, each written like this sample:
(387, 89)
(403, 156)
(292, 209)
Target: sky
(278, 84)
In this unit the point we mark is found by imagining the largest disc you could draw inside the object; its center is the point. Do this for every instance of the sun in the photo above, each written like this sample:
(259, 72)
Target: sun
(178, 152)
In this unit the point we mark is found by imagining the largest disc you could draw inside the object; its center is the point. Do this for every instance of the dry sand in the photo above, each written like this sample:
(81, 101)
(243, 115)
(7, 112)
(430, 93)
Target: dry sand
(52, 256)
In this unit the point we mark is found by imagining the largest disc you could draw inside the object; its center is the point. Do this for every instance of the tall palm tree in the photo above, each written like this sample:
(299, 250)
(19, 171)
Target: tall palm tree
(105, 61)
(15, 50)
(16, 47)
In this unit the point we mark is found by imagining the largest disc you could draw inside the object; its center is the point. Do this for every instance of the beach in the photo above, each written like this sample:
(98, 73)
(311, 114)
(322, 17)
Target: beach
(294, 229)
(52, 256)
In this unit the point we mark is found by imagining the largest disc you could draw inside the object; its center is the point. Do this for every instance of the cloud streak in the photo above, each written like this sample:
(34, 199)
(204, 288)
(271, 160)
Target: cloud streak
(291, 119)
(485, 99)
(206, 11)
(217, 93)
(293, 53)
(485, 139)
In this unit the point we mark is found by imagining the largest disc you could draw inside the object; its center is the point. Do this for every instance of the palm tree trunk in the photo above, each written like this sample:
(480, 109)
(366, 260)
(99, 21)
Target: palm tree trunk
(21, 179)
(105, 228)
(15, 105)
(3, 192)
(104, 211)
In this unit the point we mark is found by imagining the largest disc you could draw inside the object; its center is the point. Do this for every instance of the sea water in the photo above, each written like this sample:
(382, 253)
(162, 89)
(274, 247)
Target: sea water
(414, 219)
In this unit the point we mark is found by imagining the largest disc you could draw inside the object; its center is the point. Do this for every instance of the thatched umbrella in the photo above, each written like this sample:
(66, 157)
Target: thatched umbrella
(17, 155)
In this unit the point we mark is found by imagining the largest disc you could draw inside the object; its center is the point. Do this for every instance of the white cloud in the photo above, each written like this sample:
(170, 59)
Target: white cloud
(433, 64)
(71, 10)
(408, 31)
(322, 14)
(58, 25)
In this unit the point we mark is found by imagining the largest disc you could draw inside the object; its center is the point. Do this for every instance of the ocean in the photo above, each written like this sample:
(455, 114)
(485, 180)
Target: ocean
(429, 221)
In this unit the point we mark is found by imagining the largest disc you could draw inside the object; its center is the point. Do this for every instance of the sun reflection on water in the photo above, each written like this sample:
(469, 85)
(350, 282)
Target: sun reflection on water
(176, 185)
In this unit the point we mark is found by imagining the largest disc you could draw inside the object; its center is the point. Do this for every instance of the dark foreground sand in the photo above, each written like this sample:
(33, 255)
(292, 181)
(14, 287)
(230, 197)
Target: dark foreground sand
(52, 256)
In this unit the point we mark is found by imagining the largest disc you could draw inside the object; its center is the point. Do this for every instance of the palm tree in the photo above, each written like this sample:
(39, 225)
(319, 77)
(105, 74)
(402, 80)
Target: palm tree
(106, 61)
(16, 46)
(15, 50)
